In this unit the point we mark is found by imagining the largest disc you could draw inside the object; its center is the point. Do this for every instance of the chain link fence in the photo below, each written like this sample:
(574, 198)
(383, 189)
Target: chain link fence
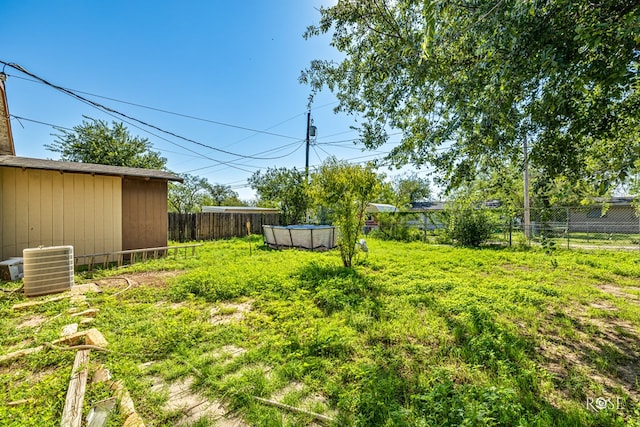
(614, 226)
(588, 227)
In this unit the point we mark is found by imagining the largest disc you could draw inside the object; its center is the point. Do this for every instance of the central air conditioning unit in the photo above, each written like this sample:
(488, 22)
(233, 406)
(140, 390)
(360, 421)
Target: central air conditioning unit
(47, 270)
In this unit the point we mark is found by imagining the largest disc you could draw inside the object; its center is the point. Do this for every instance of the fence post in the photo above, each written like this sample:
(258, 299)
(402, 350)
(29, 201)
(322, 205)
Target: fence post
(568, 224)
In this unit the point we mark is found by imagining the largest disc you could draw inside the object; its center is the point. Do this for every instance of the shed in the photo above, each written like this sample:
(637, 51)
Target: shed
(371, 221)
(94, 208)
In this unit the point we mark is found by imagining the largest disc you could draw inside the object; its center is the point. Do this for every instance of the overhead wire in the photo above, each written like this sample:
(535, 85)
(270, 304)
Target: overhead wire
(106, 109)
(37, 79)
(18, 118)
(256, 132)
(233, 164)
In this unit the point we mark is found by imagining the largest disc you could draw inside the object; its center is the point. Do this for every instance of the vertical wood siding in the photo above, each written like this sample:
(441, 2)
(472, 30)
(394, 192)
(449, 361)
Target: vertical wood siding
(144, 213)
(49, 208)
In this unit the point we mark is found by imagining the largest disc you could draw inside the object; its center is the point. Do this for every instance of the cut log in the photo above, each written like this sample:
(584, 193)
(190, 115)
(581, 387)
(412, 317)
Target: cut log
(90, 336)
(133, 420)
(102, 374)
(72, 412)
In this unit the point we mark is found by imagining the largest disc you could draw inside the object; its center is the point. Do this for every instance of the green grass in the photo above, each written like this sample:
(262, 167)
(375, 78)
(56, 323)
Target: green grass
(413, 335)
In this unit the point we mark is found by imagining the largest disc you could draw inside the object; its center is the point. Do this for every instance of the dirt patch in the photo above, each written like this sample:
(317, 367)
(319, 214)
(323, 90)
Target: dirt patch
(603, 305)
(607, 351)
(289, 388)
(620, 292)
(227, 313)
(193, 405)
(155, 279)
(32, 322)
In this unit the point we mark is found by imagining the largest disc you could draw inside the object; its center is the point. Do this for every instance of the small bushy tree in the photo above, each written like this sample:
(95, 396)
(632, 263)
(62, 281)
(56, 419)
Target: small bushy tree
(221, 195)
(469, 224)
(346, 190)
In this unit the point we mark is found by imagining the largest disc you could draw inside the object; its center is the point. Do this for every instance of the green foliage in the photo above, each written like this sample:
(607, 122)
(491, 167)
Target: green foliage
(466, 83)
(95, 142)
(468, 225)
(403, 190)
(345, 190)
(188, 196)
(549, 247)
(221, 195)
(395, 226)
(195, 192)
(285, 189)
(418, 335)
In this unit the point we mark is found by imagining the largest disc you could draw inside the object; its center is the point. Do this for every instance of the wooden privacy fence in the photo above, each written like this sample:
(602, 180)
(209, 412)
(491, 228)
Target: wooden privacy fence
(216, 225)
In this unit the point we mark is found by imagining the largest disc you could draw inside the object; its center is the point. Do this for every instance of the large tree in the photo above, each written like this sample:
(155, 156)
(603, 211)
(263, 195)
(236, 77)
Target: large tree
(467, 82)
(285, 189)
(94, 141)
(188, 196)
(222, 195)
(403, 190)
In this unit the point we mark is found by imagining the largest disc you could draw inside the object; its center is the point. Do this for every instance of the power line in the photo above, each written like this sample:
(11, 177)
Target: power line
(256, 132)
(196, 154)
(229, 164)
(36, 79)
(118, 113)
(18, 118)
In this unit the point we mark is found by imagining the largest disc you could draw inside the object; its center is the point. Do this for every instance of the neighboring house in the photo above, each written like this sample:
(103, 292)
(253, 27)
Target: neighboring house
(620, 216)
(430, 214)
(371, 221)
(94, 208)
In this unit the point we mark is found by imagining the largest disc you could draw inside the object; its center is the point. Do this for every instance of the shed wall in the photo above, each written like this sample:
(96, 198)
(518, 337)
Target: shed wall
(49, 208)
(144, 213)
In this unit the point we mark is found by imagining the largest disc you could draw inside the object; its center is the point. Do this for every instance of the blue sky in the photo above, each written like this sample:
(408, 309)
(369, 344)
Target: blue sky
(234, 63)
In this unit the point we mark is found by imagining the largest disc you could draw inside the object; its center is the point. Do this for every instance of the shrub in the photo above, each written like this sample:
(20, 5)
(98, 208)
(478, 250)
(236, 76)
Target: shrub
(469, 226)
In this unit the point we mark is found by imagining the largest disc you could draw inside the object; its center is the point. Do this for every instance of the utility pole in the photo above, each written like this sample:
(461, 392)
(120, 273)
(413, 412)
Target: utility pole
(308, 139)
(527, 216)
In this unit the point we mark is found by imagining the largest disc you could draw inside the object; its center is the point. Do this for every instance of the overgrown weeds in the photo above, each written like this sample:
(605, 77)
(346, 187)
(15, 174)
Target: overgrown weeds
(417, 335)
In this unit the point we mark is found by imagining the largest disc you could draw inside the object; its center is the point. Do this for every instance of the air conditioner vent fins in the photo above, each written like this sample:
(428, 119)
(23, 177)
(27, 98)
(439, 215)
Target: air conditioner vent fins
(47, 270)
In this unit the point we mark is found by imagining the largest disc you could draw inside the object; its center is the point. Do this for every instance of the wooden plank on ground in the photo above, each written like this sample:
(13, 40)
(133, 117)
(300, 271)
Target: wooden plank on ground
(72, 412)
(25, 305)
(16, 354)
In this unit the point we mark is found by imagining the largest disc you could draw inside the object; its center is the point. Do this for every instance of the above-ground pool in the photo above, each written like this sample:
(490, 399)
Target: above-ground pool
(311, 237)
